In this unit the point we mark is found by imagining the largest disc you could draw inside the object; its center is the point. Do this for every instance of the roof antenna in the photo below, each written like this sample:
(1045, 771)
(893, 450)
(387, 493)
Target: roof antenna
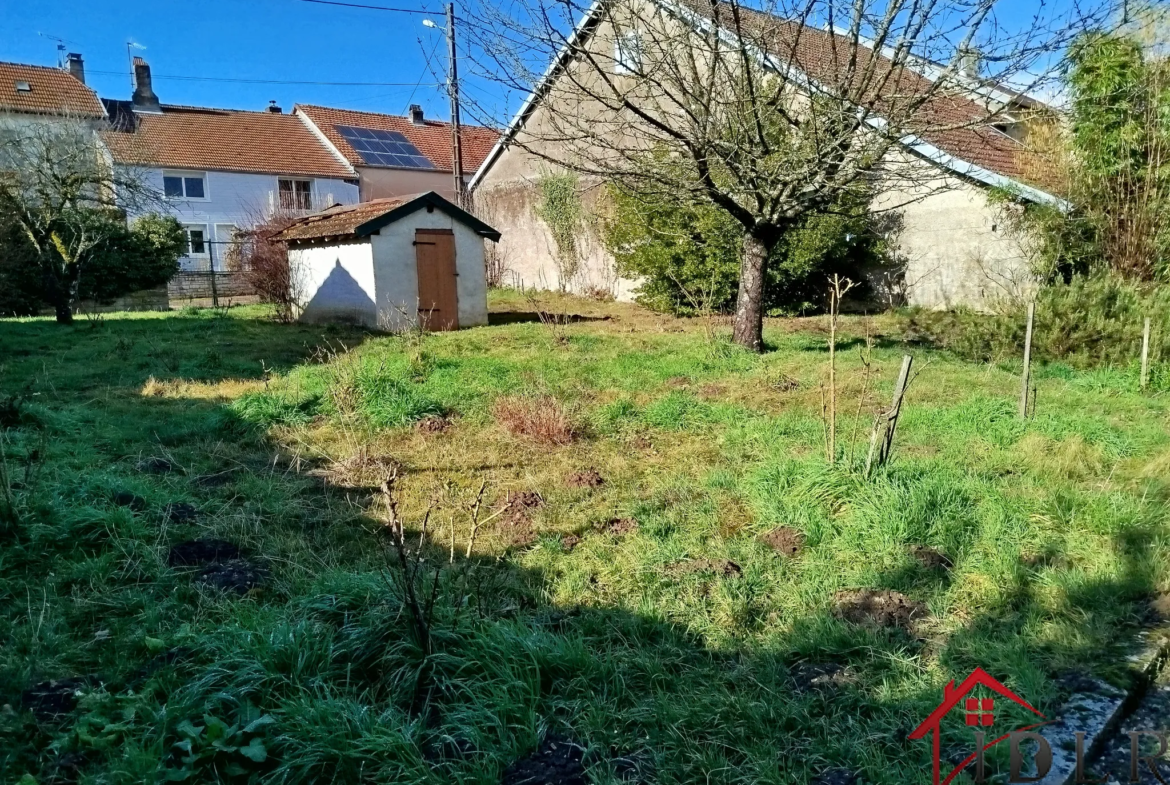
(132, 44)
(60, 47)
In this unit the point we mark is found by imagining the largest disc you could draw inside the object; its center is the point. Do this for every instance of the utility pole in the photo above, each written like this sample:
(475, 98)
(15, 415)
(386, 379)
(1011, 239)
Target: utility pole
(453, 89)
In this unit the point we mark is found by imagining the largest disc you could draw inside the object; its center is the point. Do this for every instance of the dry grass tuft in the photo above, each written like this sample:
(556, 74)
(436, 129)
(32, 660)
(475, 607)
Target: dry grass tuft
(543, 419)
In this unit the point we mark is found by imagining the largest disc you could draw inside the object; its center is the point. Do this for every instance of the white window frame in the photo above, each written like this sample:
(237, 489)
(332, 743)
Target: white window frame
(294, 181)
(183, 177)
(187, 227)
(627, 53)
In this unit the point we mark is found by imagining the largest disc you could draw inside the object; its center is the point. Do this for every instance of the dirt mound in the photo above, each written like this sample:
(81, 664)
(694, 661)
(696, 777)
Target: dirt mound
(52, 699)
(785, 383)
(821, 676)
(515, 522)
(235, 575)
(722, 567)
(712, 390)
(785, 540)
(878, 608)
(931, 558)
(432, 424)
(181, 512)
(193, 553)
(835, 777)
(557, 761)
(569, 542)
(619, 527)
(131, 500)
(154, 466)
(586, 479)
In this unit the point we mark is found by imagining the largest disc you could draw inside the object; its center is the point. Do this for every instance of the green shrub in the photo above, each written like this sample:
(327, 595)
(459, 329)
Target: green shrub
(688, 254)
(133, 257)
(1090, 321)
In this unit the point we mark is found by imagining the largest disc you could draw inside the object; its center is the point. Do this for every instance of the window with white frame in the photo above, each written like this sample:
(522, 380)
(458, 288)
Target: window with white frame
(295, 194)
(627, 53)
(196, 239)
(184, 185)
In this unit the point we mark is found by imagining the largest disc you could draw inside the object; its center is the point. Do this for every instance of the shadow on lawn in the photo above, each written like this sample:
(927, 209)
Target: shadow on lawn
(330, 652)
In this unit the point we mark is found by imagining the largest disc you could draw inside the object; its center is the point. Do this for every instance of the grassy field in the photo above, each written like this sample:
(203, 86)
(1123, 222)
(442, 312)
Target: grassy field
(663, 573)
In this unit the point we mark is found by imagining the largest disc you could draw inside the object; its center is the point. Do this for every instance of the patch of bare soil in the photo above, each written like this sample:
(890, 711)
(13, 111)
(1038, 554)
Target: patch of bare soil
(181, 512)
(678, 381)
(712, 390)
(721, 567)
(433, 424)
(235, 575)
(196, 552)
(786, 541)
(885, 608)
(557, 761)
(821, 676)
(569, 542)
(785, 383)
(131, 500)
(590, 478)
(52, 699)
(619, 527)
(835, 777)
(515, 522)
(931, 558)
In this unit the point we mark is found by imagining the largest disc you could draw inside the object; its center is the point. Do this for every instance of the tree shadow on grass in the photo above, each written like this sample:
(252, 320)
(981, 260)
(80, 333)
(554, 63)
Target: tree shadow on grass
(329, 651)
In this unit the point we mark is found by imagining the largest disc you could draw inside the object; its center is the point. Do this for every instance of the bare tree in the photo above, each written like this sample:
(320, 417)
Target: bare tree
(60, 188)
(769, 112)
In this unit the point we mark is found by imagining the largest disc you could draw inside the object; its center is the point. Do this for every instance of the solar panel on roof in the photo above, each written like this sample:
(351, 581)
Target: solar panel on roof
(384, 148)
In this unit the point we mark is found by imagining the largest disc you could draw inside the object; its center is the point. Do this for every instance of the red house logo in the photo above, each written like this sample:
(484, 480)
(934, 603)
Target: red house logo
(978, 713)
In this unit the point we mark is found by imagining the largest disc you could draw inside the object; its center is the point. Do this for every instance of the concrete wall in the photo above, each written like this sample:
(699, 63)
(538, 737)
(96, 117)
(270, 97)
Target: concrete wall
(335, 283)
(953, 246)
(378, 183)
(374, 281)
(396, 271)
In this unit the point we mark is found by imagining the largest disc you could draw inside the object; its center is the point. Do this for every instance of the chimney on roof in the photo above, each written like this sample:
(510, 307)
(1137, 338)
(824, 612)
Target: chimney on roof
(416, 115)
(75, 66)
(272, 107)
(970, 61)
(144, 99)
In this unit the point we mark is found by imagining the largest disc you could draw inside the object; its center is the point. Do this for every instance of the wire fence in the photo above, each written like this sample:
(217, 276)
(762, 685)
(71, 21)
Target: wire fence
(219, 272)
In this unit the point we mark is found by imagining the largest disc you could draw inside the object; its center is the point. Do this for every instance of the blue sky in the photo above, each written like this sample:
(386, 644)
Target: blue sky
(252, 39)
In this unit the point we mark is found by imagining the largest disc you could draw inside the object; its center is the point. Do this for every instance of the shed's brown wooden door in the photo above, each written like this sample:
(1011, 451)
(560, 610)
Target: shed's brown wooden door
(438, 304)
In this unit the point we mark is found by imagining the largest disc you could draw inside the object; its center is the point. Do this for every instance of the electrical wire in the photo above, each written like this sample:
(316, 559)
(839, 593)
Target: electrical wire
(371, 7)
(266, 81)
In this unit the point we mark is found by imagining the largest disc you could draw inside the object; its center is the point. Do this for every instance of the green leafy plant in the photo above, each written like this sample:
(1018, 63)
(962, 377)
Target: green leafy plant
(219, 750)
(560, 208)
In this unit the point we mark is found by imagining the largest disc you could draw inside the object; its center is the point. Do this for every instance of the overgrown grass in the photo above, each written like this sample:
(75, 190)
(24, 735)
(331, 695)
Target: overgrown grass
(1056, 529)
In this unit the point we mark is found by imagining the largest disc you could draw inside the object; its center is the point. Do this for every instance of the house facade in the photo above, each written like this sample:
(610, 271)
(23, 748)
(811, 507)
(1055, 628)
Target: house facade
(219, 170)
(395, 156)
(951, 244)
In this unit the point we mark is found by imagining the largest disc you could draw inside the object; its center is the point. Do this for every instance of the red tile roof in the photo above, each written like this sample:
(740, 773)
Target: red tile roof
(965, 124)
(53, 91)
(433, 138)
(342, 220)
(185, 137)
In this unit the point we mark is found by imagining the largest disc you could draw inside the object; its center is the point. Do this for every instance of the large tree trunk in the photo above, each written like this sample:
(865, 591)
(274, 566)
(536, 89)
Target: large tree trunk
(749, 307)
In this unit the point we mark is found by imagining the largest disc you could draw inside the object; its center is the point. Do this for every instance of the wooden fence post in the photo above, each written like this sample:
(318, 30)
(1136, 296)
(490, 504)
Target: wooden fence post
(1146, 353)
(890, 417)
(1027, 362)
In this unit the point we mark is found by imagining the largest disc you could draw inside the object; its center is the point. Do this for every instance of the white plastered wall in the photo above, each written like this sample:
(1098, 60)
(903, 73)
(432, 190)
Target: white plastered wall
(335, 283)
(396, 272)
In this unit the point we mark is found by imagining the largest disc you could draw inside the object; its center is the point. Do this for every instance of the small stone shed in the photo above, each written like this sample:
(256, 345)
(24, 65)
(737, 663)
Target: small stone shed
(390, 264)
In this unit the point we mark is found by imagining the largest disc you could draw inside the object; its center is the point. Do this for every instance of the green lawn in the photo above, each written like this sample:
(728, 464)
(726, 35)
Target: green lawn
(643, 618)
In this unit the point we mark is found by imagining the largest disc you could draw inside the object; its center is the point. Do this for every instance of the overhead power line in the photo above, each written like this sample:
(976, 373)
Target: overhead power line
(371, 7)
(268, 81)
